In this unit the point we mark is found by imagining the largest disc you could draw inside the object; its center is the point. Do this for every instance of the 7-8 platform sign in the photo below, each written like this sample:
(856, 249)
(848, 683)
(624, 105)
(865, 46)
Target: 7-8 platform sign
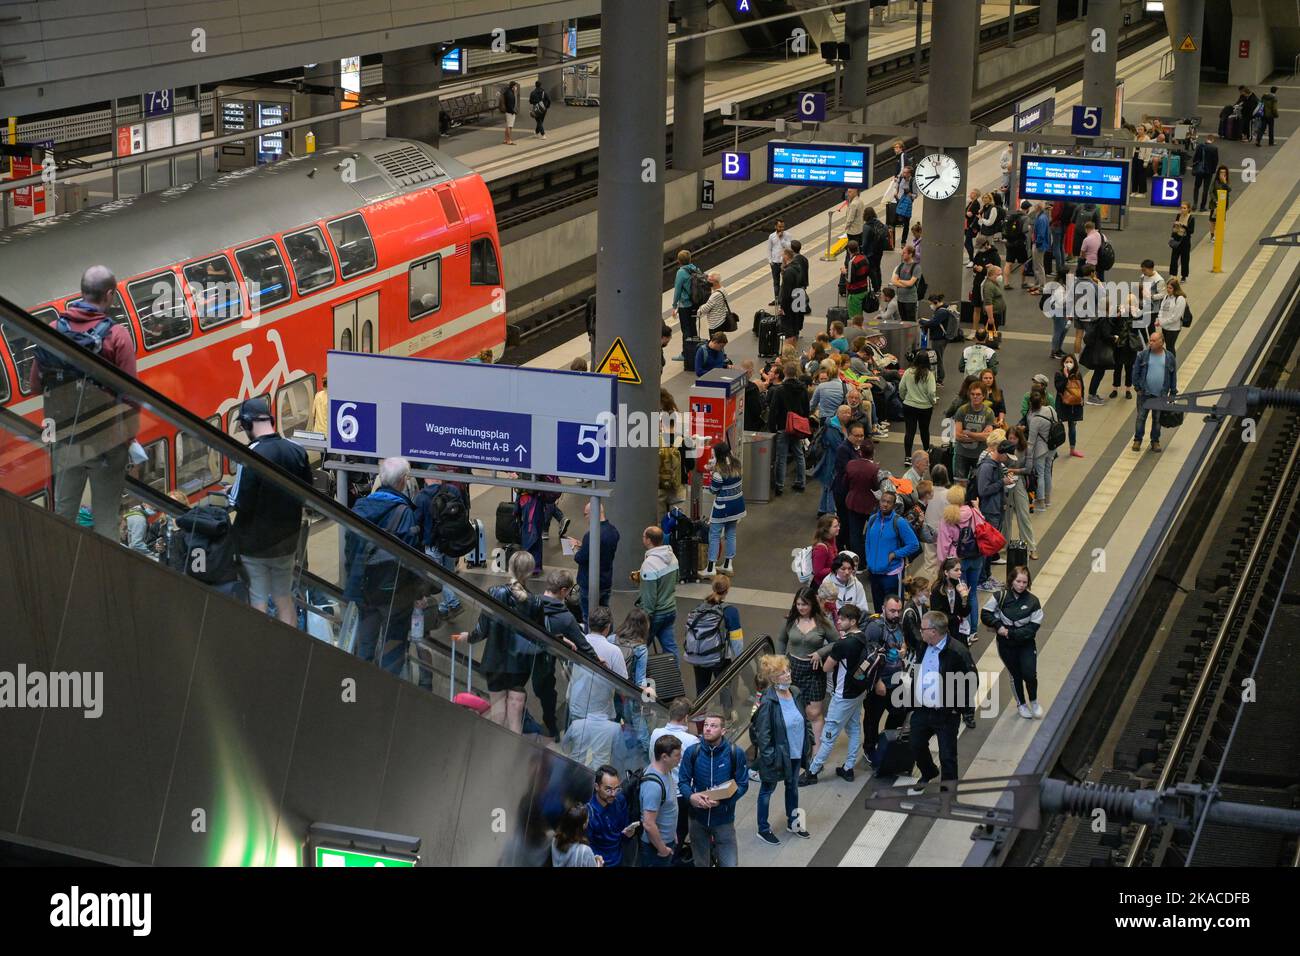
(472, 415)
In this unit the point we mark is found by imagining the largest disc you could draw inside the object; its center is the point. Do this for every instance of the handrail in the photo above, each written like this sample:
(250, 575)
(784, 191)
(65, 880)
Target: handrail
(720, 682)
(140, 395)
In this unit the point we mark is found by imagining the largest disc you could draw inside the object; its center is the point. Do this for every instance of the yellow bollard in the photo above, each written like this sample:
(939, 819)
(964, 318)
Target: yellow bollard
(1220, 215)
(310, 141)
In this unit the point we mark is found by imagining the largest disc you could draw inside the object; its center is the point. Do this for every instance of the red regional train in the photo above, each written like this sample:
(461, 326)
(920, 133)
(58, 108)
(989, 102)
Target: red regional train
(238, 286)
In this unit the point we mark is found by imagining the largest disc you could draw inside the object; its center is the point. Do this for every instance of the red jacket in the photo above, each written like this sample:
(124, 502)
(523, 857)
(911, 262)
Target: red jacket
(822, 556)
(860, 478)
(118, 347)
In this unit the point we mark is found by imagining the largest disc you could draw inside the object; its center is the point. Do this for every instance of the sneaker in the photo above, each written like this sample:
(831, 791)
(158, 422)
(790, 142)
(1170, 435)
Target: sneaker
(1096, 400)
(1128, 393)
(1058, 355)
(546, 536)
(449, 610)
(800, 832)
(907, 461)
(710, 571)
(564, 527)
(1036, 708)
(807, 779)
(1155, 446)
(1114, 393)
(777, 492)
(918, 788)
(754, 775)
(998, 560)
(1025, 712)
(988, 584)
(768, 837)
(1075, 453)
(1137, 444)
(844, 774)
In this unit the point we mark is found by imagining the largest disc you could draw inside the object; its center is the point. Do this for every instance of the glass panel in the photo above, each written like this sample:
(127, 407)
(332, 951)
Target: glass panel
(154, 470)
(355, 248)
(367, 337)
(4, 383)
(215, 291)
(198, 466)
(483, 263)
(312, 265)
(164, 316)
(425, 287)
(293, 404)
(22, 350)
(345, 341)
(264, 272)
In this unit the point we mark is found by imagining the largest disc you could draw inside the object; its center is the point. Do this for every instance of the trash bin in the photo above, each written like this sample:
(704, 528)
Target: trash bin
(900, 337)
(756, 481)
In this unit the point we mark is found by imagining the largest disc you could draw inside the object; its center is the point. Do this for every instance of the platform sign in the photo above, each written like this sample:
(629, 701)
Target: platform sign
(706, 193)
(472, 415)
(1167, 192)
(819, 164)
(159, 103)
(1035, 112)
(812, 107)
(1102, 181)
(735, 166)
(1085, 121)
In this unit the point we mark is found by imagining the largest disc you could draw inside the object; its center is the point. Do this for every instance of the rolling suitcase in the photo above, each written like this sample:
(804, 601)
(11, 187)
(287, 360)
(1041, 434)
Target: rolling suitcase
(478, 558)
(968, 311)
(769, 337)
(893, 754)
(466, 698)
(507, 525)
(689, 347)
(1017, 555)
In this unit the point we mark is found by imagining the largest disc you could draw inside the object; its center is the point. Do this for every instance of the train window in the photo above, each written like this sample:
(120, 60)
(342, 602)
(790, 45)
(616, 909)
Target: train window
(164, 316)
(154, 471)
(268, 283)
(483, 263)
(425, 287)
(355, 247)
(215, 290)
(4, 384)
(198, 465)
(293, 404)
(23, 349)
(312, 265)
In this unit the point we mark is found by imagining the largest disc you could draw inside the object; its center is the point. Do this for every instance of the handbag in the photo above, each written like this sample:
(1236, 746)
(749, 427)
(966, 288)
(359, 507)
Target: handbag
(732, 322)
(1187, 315)
(1170, 418)
(989, 538)
(1174, 242)
(797, 425)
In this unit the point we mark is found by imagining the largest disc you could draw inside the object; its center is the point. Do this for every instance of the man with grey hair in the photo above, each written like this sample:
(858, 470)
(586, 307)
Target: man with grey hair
(380, 580)
(943, 697)
(93, 430)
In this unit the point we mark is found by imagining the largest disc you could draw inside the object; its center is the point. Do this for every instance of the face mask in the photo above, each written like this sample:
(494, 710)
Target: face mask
(782, 686)
(923, 600)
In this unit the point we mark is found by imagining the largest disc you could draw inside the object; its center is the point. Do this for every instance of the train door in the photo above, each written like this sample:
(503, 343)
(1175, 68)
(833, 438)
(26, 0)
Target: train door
(356, 324)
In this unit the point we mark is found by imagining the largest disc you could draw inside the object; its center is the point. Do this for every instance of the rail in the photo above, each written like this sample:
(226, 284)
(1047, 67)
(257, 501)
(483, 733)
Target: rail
(763, 645)
(1167, 64)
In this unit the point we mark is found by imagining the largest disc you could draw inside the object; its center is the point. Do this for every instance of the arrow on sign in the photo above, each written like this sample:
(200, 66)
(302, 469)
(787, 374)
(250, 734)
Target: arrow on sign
(520, 449)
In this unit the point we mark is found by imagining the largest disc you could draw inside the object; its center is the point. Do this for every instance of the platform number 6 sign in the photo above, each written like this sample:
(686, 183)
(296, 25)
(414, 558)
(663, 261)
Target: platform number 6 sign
(812, 107)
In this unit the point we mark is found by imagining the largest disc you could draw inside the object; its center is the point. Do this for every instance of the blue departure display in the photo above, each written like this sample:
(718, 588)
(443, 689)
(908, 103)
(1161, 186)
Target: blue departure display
(818, 164)
(1066, 177)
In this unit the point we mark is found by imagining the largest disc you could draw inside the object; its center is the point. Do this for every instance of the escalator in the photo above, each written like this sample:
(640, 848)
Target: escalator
(146, 718)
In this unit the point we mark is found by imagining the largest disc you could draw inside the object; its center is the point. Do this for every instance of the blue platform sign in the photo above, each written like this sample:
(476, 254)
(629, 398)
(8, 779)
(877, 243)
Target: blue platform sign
(812, 107)
(159, 103)
(472, 415)
(735, 166)
(1085, 121)
(1034, 113)
(819, 164)
(1167, 192)
(1102, 181)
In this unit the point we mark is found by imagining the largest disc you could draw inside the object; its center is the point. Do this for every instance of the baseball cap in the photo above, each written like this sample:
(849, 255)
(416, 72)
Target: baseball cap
(1040, 378)
(1007, 448)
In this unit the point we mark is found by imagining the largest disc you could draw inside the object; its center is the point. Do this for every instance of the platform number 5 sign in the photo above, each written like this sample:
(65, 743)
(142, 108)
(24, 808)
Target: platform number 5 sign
(1086, 121)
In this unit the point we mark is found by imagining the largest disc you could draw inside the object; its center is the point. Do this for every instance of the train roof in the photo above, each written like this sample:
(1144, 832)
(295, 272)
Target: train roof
(42, 260)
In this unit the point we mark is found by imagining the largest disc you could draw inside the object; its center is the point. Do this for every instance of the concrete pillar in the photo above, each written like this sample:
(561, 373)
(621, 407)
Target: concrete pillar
(689, 64)
(324, 75)
(1189, 19)
(1047, 12)
(550, 54)
(629, 241)
(948, 129)
(1100, 58)
(416, 69)
(857, 34)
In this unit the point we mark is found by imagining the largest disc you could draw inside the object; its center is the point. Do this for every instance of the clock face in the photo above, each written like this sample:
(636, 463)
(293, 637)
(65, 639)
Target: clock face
(937, 176)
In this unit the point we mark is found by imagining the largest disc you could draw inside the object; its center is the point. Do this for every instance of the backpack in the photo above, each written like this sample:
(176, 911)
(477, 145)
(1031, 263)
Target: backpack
(975, 360)
(705, 633)
(210, 550)
(501, 100)
(1106, 255)
(54, 368)
(384, 581)
(453, 533)
(699, 288)
(801, 564)
(1016, 227)
(967, 544)
(632, 790)
(1270, 106)
(1056, 433)
(878, 232)
(951, 325)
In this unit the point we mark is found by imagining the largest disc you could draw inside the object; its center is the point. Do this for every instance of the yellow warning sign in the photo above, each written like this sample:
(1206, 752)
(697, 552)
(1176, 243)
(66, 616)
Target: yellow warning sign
(1188, 45)
(618, 362)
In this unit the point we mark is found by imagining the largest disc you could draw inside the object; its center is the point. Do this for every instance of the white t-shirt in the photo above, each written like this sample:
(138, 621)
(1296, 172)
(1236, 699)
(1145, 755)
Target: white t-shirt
(609, 653)
(681, 733)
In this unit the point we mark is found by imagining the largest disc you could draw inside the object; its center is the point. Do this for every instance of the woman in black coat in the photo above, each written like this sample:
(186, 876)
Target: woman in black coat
(1180, 241)
(774, 760)
(952, 596)
(985, 255)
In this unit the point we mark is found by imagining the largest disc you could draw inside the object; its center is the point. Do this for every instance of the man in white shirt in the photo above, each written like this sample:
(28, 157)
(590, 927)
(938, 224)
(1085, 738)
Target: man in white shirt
(1152, 285)
(778, 243)
(855, 207)
(601, 624)
(678, 712)
(588, 694)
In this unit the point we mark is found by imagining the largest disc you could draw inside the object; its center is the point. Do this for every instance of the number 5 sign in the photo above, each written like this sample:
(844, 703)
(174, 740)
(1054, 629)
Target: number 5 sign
(812, 107)
(1085, 121)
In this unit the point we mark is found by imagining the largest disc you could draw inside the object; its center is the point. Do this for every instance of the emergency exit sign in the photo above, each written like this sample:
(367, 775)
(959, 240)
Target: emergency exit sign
(329, 856)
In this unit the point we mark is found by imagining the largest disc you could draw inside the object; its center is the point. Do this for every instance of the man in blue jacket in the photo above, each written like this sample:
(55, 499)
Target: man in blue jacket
(706, 765)
(890, 544)
(1040, 246)
(1155, 375)
(385, 599)
(712, 354)
(581, 555)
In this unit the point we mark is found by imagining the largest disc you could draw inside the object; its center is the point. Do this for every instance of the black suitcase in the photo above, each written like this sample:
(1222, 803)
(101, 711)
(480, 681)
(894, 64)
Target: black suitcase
(1017, 556)
(664, 670)
(968, 311)
(893, 755)
(769, 337)
(759, 316)
(689, 347)
(507, 527)
(837, 313)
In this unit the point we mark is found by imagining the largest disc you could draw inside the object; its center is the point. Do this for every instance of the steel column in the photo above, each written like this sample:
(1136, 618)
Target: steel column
(689, 66)
(857, 34)
(1187, 66)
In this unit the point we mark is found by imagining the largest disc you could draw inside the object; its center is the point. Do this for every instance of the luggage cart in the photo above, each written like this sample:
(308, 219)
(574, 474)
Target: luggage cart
(582, 85)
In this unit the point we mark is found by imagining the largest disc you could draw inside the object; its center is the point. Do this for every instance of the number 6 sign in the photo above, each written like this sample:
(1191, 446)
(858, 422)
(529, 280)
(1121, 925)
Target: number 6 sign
(812, 107)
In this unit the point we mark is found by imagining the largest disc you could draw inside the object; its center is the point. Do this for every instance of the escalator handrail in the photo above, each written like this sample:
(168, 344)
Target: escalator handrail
(764, 645)
(145, 397)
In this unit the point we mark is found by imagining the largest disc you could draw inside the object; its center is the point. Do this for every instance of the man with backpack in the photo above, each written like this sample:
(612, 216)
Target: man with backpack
(890, 544)
(447, 532)
(539, 103)
(657, 793)
(608, 819)
(92, 428)
(709, 769)
(560, 623)
(691, 289)
(854, 671)
(943, 326)
(268, 520)
(1266, 116)
(384, 590)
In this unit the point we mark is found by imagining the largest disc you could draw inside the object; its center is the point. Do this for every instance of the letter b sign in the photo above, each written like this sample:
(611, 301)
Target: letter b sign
(1167, 192)
(735, 166)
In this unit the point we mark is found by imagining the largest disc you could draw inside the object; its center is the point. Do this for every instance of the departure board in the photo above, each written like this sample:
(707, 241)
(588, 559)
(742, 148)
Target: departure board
(818, 164)
(1103, 181)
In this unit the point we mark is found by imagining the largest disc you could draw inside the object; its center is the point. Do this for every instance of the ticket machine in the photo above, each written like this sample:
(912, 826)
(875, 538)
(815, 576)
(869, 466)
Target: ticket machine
(717, 407)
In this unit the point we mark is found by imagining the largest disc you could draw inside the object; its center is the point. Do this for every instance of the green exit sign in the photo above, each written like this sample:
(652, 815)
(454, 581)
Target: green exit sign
(329, 856)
